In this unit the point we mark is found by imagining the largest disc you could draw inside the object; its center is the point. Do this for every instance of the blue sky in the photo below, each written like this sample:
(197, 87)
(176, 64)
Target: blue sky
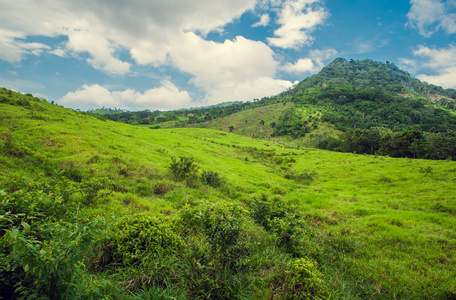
(163, 55)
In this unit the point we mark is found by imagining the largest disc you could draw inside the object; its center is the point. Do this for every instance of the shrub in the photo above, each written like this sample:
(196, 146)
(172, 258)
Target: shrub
(264, 210)
(221, 224)
(43, 243)
(211, 178)
(304, 279)
(162, 188)
(305, 177)
(293, 234)
(214, 257)
(136, 237)
(184, 169)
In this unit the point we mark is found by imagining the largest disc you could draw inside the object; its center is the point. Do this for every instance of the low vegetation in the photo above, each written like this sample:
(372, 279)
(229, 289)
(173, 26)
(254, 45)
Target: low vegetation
(94, 209)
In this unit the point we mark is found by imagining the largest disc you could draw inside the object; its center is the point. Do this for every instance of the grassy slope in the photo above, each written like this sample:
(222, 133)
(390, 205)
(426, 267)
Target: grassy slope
(391, 221)
(247, 123)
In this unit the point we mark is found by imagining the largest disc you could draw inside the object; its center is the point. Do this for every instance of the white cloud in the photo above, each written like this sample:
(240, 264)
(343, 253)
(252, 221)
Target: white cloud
(303, 65)
(314, 63)
(166, 97)
(234, 60)
(101, 50)
(264, 21)
(435, 66)
(428, 16)
(58, 52)
(298, 19)
(248, 90)
(101, 27)
(225, 69)
(12, 48)
(159, 33)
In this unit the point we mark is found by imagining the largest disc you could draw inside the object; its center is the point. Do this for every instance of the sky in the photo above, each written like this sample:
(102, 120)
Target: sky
(171, 54)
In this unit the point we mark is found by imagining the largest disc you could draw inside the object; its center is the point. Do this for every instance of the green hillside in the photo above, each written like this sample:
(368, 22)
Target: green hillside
(375, 101)
(96, 209)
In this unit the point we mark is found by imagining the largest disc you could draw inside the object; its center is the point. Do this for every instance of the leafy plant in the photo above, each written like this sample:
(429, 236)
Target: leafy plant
(305, 281)
(211, 178)
(184, 168)
(133, 238)
(426, 170)
(214, 259)
(43, 241)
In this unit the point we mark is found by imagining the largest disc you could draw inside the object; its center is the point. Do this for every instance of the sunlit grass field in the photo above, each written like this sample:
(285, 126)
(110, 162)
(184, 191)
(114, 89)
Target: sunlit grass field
(385, 227)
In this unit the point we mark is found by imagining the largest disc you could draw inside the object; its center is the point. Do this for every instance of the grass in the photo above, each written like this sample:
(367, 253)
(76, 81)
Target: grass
(385, 226)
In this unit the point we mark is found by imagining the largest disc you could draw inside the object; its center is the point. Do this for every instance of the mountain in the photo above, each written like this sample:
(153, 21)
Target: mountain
(371, 74)
(347, 94)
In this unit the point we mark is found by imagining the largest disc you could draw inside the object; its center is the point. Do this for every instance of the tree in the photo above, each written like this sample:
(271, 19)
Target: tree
(231, 128)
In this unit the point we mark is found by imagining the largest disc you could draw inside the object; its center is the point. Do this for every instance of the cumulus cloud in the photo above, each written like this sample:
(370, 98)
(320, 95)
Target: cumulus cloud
(428, 16)
(303, 65)
(314, 63)
(224, 69)
(100, 28)
(12, 48)
(297, 20)
(264, 21)
(166, 97)
(248, 90)
(101, 50)
(433, 65)
(158, 33)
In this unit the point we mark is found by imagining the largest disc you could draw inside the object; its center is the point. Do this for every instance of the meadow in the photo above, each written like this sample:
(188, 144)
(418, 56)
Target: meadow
(95, 209)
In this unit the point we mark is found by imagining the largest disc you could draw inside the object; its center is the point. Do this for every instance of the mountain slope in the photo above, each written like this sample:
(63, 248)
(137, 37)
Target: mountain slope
(348, 94)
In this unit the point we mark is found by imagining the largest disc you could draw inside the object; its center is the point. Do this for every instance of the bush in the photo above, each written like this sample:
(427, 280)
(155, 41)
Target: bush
(293, 234)
(184, 169)
(305, 177)
(304, 279)
(221, 223)
(43, 243)
(264, 210)
(211, 178)
(214, 257)
(133, 238)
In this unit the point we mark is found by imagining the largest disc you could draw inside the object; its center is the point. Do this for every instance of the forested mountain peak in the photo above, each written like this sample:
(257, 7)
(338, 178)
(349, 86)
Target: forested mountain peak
(373, 74)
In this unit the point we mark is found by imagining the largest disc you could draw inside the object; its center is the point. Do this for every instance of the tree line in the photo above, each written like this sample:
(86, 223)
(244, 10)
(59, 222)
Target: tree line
(412, 143)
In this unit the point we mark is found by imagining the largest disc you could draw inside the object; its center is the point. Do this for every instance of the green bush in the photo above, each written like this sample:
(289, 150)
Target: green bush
(305, 281)
(305, 177)
(133, 238)
(216, 250)
(184, 168)
(222, 225)
(211, 178)
(43, 242)
(264, 210)
(292, 232)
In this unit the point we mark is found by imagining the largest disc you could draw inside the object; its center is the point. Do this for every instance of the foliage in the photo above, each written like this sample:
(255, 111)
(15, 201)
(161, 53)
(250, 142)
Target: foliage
(292, 232)
(184, 168)
(43, 242)
(305, 281)
(409, 143)
(221, 223)
(213, 273)
(211, 178)
(138, 237)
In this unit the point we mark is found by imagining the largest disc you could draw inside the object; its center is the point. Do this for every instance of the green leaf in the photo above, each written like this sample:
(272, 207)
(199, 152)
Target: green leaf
(26, 226)
(14, 233)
